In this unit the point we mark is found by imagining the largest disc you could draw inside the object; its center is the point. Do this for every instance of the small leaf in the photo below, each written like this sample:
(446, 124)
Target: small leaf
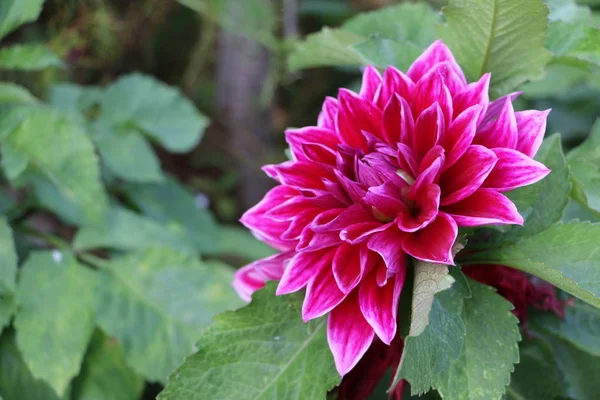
(60, 149)
(574, 43)
(158, 110)
(29, 57)
(16, 381)
(584, 161)
(8, 259)
(157, 302)
(14, 13)
(264, 351)
(127, 154)
(74, 98)
(566, 255)
(504, 37)
(11, 93)
(55, 319)
(105, 375)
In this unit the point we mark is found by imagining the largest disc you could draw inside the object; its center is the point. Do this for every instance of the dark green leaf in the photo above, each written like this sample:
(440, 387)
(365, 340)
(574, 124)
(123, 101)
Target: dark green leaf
(11, 93)
(157, 302)
(504, 37)
(566, 255)
(8, 273)
(263, 351)
(55, 318)
(17, 12)
(159, 110)
(29, 57)
(105, 375)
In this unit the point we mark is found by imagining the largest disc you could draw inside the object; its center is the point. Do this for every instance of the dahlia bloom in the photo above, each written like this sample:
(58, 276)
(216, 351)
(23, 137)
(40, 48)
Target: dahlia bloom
(390, 172)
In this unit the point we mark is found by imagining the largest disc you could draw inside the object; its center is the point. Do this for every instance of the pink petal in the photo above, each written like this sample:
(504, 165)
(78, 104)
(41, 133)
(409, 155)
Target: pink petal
(311, 134)
(432, 163)
(424, 211)
(299, 222)
(303, 174)
(379, 305)
(514, 169)
(253, 276)
(500, 133)
(476, 93)
(496, 106)
(460, 134)
(354, 190)
(322, 295)
(311, 241)
(358, 232)
(388, 244)
(467, 174)
(328, 114)
(429, 128)
(347, 267)
(385, 201)
(395, 82)
(371, 80)
(302, 267)
(398, 123)
(531, 125)
(429, 90)
(435, 53)
(406, 159)
(485, 206)
(337, 219)
(434, 242)
(289, 209)
(355, 115)
(348, 333)
(317, 153)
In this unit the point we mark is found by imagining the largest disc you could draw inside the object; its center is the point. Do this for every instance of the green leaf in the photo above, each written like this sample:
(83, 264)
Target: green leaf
(173, 205)
(125, 230)
(566, 255)
(16, 381)
(382, 52)
(127, 154)
(74, 98)
(262, 351)
(469, 348)
(8, 259)
(536, 375)
(567, 10)
(574, 43)
(541, 204)
(159, 110)
(240, 242)
(580, 326)
(105, 374)
(157, 302)
(584, 161)
(504, 37)
(14, 13)
(55, 319)
(28, 57)
(11, 93)
(60, 149)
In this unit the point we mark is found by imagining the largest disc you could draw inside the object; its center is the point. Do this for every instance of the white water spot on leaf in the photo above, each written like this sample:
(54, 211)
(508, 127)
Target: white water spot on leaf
(277, 338)
(57, 256)
(202, 200)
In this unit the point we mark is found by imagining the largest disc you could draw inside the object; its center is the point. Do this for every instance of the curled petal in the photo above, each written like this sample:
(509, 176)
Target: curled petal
(437, 52)
(395, 83)
(385, 201)
(337, 219)
(434, 242)
(423, 212)
(388, 244)
(531, 125)
(310, 135)
(348, 267)
(302, 267)
(496, 106)
(467, 174)
(429, 128)
(429, 90)
(348, 333)
(312, 241)
(371, 81)
(355, 115)
(252, 277)
(513, 170)
(302, 174)
(398, 123)
(460, 135)
(485, 206)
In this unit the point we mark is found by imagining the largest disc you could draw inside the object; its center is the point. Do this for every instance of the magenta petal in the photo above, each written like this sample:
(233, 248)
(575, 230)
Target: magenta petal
(460, 135)
(299, 222)
(337, 219)
(429, 90)
(424, 211)
(371, 80)
(322, 295)
(429, 128)
(475, 93)
(379, 305)
(253, 276)
(355, 115)
(328, 114)
(311, 241)
(398, 123)
(437, 52)
(434, 242)
(347, 267)
(395, 83)
(388, 244)
(385, 201)
(485, 206)
(514, 169)
(348, 333)
(358, 232)
(310, 135)
(432, 164)
(354, 190)
(467, 174)
(302, 267)
(303, 174)
(531, 125)
(500, 133)
(406, 159)
(496, 106)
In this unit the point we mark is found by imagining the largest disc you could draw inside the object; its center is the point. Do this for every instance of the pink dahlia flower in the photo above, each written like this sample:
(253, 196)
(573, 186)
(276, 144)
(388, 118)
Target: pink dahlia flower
(389, 172)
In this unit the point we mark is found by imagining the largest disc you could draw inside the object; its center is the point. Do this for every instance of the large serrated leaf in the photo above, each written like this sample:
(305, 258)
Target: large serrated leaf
(28, 57)
(566, 255)
(55, 319)
(48, 141)
(504, 37)
(157, 302)
(159, 110)
(469, 348)
(17, 12)
(263, 351)
(105, 374)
